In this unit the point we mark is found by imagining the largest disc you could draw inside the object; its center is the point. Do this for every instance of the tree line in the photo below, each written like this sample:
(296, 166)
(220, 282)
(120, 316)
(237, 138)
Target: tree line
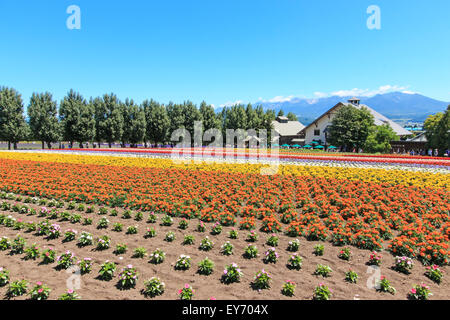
(108, 119)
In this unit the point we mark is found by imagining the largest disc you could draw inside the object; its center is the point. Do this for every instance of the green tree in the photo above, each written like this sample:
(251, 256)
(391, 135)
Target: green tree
(43, 118)
(292, 117)
(108, 119)
(379, 139)
(77, 119)
(350, 127)
(134, 123)
(280, 113)
(13, 127)
(209, 117)
(191, 114)
(437, 128)
(157, 121)
(176, 116)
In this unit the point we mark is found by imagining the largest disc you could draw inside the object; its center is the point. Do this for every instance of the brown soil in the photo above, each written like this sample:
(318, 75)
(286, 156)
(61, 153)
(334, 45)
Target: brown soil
(204, 286)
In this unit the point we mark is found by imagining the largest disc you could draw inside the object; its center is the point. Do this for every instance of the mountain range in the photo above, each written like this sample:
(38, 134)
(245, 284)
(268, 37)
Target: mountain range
(398, 106)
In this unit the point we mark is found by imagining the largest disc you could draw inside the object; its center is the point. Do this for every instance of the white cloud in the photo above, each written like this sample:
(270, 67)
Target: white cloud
(340, 93)
(230, 103)
(368, 92)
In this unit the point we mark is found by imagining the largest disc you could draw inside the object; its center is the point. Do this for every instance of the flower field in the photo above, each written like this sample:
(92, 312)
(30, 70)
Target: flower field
(117, 209)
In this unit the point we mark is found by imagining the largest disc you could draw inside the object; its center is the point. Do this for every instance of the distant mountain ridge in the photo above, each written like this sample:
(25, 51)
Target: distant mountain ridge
(394, 105)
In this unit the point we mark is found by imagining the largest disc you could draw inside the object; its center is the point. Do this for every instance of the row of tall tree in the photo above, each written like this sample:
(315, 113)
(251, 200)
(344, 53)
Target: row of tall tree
(107, 119)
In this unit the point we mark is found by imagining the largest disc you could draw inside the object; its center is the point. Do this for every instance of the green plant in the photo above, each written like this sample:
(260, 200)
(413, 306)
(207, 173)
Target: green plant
(54, 231)
(81, 207)
(40, 292)
(293, 245)
(75, 218)
(252, 236)
(351, 276)
(65, 260)
(126, 214)
(103, 243)
(232, 273)
(87, 221)
(170, 236)
(188, 239)
(206, 266)
(32, 252)
(71, 205)
(250, 252)
(166, 220)
(385, 286)
(227, 248)
(374, 259)
(271, 256)
(419, 292)
(323, 270)
(128, 277)
(4, 277)
(18, 245)
(70, 235)
(216, 229)
(107, 270)
(206, 244)
(85, 239)
(183, 262)
(153, 287)
(140, 252)
(121, 248)
(118, 227)
(434, 273)
(103, 223)
(201, 227)
(30, 226)
(322, 292)
(132, 230)
(319, 249)
(184, 224)
(261, 280)
(344, 254)
(138, 216)
(186, 293)
(4, 243)
(288, 288)
(295, 262)
(17, 288)
(151, 218)
(272, 240)
(150, 233)
(102, 211)
(157, 256)
(48, 256)
(114, 213)
(85, 265)
(70, 295)
(233, 234)
(403, 264)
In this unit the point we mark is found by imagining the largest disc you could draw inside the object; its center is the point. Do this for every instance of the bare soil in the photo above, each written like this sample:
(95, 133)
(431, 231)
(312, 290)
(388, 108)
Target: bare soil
(205, 286)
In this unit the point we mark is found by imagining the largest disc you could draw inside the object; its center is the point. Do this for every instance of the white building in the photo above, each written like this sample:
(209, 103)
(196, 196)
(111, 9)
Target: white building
(289, 131)
(317, 130)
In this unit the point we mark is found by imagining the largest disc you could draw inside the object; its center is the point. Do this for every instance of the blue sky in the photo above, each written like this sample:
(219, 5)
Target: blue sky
(224, 51)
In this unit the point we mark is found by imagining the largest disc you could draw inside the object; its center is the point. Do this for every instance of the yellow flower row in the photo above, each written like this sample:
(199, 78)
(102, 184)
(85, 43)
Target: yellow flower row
(409, 178)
